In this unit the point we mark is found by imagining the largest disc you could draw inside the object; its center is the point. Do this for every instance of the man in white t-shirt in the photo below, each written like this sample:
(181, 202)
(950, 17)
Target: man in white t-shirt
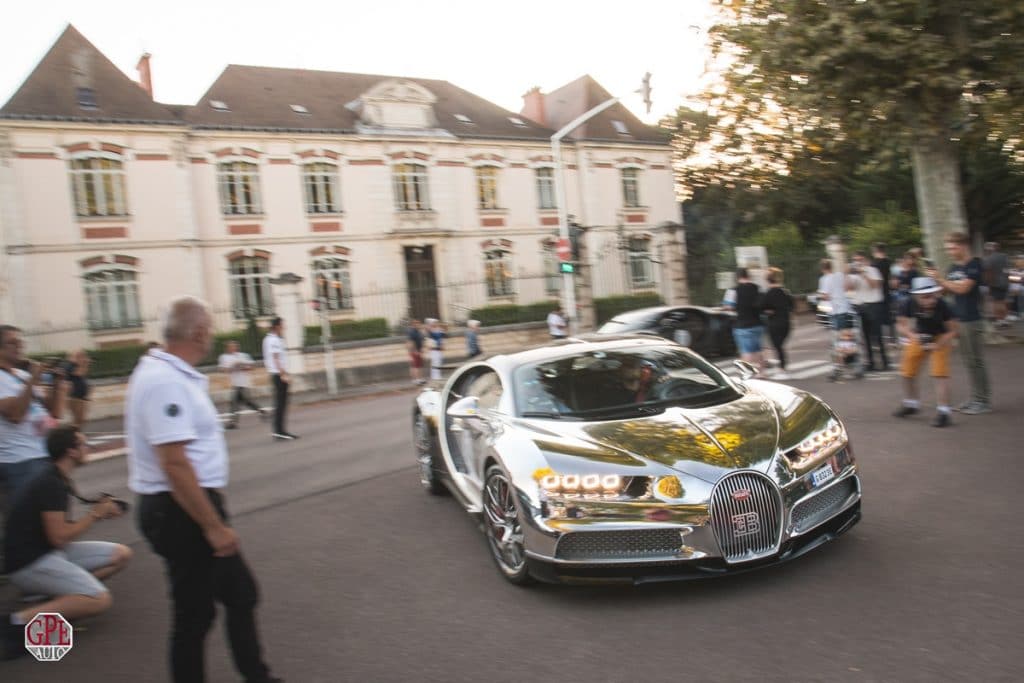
(275, 359)
(557, 326)
(178, 465)
(238, 364)
(832, 286)
(870, 308)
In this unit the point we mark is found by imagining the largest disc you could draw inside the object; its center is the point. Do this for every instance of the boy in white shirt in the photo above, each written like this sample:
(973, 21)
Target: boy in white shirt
(238, 365)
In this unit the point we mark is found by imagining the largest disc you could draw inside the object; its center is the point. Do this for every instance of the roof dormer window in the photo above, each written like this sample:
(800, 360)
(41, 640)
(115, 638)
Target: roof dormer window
(219, 105)
(300, 109)
(516, 121)
(86, 98)
(620, 127)
(462, 118)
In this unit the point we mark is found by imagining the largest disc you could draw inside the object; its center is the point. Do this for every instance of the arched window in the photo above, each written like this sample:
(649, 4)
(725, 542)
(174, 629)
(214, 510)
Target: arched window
(97, 182)
(249, 281)
(631, 187)
(112, 298)
(487, 187)
(332, 283)
(411, 191)
(498, 272)
(238, 182)
(320, 181)
(546, 198)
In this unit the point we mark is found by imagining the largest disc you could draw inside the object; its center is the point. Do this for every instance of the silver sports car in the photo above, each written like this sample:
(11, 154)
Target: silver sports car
(634, 458)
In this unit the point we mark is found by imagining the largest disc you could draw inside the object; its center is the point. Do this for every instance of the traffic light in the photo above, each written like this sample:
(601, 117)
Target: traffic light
(566, 267)
(575, 236)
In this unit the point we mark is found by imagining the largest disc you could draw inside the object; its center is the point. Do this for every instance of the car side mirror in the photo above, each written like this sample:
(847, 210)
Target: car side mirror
(467, 407)
(746, 369)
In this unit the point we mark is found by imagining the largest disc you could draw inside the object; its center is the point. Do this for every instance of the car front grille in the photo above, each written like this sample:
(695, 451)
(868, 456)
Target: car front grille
(815, 510)
(618, 545)
(746, 515)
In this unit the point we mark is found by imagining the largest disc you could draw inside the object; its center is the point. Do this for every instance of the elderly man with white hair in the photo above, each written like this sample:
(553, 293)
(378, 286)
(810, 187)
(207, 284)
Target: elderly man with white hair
(178, 466)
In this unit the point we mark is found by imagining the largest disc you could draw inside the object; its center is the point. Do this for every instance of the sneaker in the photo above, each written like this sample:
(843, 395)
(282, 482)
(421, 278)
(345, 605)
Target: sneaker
(966, 404)
(976, 409)
(782, 374)
(904, 411)
(282, 436)
(291, 436)
(941, 420)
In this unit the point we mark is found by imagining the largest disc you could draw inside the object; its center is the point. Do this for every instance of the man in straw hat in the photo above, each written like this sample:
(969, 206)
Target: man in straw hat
(928, 325)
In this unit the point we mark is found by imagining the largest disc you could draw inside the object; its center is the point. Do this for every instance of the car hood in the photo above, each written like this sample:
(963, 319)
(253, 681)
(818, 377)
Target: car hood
(706, 443)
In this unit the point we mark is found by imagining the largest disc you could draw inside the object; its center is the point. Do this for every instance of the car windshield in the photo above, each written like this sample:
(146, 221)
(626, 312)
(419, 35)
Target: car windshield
(619, 382)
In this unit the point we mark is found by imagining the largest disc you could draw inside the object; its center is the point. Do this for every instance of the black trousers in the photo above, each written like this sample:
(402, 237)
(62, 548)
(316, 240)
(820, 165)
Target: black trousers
(197, 580)
(871, 319)
(778, 333)
(280, 404)
(241, 397)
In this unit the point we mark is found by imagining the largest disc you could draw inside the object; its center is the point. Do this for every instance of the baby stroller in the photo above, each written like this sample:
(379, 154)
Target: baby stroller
(847, 346)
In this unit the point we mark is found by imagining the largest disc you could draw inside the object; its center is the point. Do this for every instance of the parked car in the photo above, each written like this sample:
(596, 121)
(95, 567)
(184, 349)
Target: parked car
(708, 331)
(631, 457)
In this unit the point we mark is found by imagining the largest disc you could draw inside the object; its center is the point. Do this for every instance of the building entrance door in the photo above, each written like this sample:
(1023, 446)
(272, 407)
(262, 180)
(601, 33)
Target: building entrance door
(422, 285)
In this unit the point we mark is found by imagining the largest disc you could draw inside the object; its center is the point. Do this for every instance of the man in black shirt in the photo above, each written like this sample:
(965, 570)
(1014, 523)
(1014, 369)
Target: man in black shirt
(884, 265)
(42, 556)
(927, 322)
(748, 330)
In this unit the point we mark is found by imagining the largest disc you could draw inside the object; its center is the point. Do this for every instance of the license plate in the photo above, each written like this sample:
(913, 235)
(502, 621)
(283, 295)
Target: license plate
(823, 475)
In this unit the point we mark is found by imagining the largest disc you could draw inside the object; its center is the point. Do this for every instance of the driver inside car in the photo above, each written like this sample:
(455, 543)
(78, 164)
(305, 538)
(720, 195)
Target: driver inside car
(637, 376)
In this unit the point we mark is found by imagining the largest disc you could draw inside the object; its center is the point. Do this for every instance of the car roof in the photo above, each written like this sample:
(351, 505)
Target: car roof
(574, 346)
(643, 314)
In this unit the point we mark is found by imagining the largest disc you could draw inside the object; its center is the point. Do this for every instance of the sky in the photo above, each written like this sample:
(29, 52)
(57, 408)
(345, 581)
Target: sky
(497, 50)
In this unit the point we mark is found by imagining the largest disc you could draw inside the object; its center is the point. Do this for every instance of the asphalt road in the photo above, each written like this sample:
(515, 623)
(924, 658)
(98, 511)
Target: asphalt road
(367, 578)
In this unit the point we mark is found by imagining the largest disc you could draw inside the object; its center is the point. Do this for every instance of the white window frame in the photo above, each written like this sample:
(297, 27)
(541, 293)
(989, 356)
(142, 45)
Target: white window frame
(410, 181)
(320, 185)
(641, 269)
(498, 273)
(249, 284)
(487, 187)
(630, 176)
(547, 198)
(332, 282)
(102, 174)
(238, 185)
(112, 297)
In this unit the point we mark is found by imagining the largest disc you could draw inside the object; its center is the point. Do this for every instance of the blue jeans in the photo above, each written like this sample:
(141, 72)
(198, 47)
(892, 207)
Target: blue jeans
(748, 339)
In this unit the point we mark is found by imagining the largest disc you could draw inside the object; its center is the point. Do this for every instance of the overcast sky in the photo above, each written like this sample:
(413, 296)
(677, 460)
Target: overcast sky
(496, 49)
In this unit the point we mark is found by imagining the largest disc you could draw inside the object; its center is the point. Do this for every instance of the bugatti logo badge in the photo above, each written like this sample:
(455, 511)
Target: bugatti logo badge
(741, 494)
(746, 523)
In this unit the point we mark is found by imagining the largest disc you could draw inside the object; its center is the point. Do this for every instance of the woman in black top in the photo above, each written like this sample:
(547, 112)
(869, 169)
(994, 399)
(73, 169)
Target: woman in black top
(76, 369)
(778, 306)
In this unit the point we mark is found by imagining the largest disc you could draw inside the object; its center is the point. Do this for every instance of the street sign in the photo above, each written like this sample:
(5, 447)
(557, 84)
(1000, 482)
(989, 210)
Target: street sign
(48, 636)
(567, 267)
(563, 250)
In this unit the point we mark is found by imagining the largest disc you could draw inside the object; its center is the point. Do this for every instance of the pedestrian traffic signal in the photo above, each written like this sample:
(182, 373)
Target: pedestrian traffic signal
(567, 267)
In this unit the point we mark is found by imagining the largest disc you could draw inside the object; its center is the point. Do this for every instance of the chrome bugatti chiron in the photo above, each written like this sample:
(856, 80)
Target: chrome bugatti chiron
(633, 458)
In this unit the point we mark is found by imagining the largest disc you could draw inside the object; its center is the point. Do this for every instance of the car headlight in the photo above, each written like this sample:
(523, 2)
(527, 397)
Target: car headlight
(555, 483)
(823, 442)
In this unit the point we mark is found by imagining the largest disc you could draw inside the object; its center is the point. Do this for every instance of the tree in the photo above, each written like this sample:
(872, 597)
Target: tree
(918, 73)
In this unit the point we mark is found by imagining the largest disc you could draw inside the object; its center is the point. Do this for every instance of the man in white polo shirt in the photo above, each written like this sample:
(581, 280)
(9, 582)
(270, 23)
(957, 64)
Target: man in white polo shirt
(275, 359)
(178, 464)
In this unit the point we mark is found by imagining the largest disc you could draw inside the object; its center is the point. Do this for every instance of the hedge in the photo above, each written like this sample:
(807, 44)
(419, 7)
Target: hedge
(508, 314)
(349, 330)
(608, 307)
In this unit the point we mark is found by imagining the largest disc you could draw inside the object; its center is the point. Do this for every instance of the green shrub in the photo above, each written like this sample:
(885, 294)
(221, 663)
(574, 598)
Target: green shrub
(510, 314)
(608, 307)
(115, 362)
(349, 330)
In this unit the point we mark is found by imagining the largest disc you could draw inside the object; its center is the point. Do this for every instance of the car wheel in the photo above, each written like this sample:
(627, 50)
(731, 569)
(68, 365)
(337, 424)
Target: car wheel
(504, 528)
(426, 449)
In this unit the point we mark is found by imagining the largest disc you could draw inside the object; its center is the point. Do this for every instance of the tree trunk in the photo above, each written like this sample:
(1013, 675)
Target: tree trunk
(940, 197)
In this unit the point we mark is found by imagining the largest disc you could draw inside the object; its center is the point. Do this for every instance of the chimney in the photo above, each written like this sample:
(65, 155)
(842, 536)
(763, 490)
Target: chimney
(145, 76)
(533, 106)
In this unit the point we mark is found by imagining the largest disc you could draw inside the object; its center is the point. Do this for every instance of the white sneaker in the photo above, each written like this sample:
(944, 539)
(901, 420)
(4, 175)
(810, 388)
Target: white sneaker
(781, 374)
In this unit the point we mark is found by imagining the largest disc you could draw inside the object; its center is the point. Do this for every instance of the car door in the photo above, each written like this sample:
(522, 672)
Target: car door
(470, 440)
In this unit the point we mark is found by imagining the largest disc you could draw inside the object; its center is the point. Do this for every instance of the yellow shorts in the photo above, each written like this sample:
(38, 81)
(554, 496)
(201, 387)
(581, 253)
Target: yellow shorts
(914, 355)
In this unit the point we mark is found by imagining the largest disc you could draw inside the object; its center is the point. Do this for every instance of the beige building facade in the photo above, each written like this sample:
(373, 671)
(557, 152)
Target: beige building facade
(390, 197)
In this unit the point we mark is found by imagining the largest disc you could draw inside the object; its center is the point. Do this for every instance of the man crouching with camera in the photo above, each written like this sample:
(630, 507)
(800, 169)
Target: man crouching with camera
(42, 555)
(931, 336)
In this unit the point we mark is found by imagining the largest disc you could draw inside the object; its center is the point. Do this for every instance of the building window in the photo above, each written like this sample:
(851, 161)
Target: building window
(546, 188)
(321, 183)
(498, 272)
(631, 187)
(552, 270)
(641, 270)
(112, 299)
(487, 187)
(239, 188)
(249, 280)
(99, 186)
(332, 283)
(410, 182)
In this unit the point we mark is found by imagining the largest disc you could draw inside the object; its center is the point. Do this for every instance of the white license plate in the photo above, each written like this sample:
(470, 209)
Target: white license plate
(823, 475)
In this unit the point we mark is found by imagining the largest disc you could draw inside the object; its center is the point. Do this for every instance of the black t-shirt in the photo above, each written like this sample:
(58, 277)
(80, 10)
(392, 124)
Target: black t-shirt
(416, 337)
(931, 322)
(25, 538)
(79, 385)
(967, 307)
(906, 278)
(778, 304)
(748, 309)
(884, 267)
